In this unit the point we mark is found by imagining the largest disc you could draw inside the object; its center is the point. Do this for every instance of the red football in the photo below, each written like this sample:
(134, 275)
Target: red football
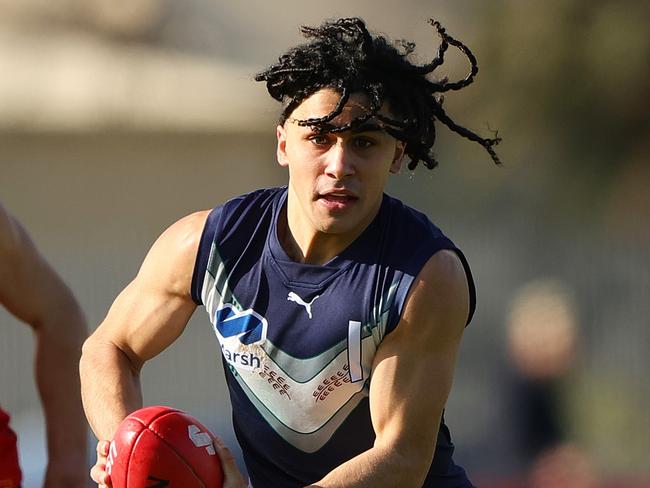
(158, 447)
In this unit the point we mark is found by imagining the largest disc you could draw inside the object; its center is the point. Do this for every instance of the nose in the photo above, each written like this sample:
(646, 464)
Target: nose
(339, 163)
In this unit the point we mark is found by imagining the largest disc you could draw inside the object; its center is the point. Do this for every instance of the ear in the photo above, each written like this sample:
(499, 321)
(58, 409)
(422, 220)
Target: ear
(281, 152)
(398, 157)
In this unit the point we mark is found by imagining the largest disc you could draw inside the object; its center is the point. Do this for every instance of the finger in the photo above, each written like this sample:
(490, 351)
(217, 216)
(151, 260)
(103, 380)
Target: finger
(102, 448)
(99, 475)
(232, 475)
(225, 454)
(98, 471)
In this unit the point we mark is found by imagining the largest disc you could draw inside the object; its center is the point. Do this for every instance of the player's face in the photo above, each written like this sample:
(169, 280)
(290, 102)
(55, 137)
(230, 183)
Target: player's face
(336, 180)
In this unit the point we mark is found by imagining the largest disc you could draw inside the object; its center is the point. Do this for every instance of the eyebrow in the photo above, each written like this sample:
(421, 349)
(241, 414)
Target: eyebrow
(365, 127)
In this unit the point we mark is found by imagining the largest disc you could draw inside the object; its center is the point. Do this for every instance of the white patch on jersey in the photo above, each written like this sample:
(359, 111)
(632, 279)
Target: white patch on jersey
(315, 402)
(354, 351)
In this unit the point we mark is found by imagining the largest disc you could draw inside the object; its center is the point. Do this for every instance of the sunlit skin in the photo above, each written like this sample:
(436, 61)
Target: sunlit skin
(336, 180)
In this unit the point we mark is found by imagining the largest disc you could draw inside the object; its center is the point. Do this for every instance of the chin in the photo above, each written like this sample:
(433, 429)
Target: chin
(337, 226)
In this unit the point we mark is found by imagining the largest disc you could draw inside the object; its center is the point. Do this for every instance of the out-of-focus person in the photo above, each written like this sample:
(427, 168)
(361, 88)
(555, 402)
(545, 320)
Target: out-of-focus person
(562, 465)
(542, 341)
(32, 291)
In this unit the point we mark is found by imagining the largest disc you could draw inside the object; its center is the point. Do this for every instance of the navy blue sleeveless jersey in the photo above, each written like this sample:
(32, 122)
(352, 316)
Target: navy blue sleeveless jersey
(298, 340)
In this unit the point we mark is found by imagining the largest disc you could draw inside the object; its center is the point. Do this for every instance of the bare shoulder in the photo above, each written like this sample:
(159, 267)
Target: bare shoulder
(172, 257)
(185, 232)
(440, 295)
(443, 275)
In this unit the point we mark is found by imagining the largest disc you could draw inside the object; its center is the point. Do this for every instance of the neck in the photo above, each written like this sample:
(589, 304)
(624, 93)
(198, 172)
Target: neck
(302, 247)
(303, 243)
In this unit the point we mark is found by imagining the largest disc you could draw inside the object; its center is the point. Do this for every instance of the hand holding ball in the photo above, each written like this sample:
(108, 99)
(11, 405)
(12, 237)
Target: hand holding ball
(163, 447)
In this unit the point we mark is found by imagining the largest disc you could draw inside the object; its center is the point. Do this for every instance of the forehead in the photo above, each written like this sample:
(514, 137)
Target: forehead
(325, 100)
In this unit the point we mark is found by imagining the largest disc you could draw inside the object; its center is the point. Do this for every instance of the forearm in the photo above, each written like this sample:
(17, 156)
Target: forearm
(110, 386)
(58, 348)
(377, 467)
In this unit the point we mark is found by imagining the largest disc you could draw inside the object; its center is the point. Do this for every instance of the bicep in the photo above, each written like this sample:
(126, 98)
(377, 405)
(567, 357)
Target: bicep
(153, 310)
(414, 366)
(142, 321)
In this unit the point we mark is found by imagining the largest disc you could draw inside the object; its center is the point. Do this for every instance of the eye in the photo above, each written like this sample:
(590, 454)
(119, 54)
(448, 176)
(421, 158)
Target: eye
(363, 142)
(319, 139)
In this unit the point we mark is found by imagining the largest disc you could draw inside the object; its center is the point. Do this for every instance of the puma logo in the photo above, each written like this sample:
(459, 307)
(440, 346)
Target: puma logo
(293, 297)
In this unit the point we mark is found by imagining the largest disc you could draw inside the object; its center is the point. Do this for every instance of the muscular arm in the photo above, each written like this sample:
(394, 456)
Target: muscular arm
(146, 317)
(411, 379)
(34, 293)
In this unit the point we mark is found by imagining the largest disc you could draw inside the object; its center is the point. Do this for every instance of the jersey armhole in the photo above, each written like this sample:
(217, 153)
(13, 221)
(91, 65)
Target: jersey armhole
(203, 255)
(470, 283)
(407, 281)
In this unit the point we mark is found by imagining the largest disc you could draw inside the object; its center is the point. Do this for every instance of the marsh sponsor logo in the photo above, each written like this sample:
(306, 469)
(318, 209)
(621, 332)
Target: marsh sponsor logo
(240, 333)
(248, 326)
(241, 358)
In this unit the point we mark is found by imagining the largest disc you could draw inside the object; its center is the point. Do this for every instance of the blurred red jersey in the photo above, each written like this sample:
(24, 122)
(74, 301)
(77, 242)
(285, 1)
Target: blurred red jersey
(10, 475)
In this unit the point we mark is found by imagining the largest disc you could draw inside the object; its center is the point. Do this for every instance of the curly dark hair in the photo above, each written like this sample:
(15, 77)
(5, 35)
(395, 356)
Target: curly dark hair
(344, 56)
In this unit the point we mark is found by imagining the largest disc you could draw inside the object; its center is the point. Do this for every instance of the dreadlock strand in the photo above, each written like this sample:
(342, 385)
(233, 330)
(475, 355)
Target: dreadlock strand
(457, 85)
(315, 121)
(468, 134)
(442, 48)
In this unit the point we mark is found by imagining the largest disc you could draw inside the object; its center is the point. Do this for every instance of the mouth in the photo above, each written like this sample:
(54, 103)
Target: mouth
(337, 199)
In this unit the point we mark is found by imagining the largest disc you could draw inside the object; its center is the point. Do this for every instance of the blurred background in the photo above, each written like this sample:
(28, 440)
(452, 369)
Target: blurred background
(119, 117)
